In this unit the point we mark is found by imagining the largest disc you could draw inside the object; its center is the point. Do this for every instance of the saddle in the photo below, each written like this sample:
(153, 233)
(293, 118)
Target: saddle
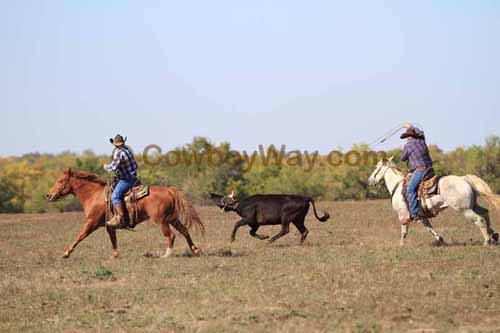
(428, 187)
(137, 192)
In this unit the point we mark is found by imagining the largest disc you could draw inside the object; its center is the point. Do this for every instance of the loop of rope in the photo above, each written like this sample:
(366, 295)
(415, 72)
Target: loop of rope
(387, 135)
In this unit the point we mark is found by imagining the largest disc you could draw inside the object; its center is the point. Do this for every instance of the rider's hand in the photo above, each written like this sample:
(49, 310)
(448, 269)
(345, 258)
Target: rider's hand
(407, 125)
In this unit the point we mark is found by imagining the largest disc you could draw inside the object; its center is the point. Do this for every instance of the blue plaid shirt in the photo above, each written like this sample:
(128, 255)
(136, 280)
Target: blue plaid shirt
(416, 152)
(123, 164)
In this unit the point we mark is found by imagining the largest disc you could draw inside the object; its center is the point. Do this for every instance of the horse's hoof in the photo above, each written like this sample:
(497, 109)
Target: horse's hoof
(167, 254)
(196, 251)
(66, 255)
(115, 256)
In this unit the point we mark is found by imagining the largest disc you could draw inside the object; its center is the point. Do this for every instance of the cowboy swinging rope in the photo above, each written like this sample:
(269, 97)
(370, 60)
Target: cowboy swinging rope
(389, 134)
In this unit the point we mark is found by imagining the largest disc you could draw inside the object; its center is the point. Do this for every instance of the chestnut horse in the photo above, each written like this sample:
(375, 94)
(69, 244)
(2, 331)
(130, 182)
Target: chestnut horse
(165, 206)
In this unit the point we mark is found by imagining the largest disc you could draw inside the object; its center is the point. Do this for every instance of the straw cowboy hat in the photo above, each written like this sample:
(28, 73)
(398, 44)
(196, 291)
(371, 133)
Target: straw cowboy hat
(118, 140)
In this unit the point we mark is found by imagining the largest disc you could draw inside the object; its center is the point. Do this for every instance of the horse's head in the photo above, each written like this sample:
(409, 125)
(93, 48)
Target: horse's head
(61, 187)
(224, 202)
(382, 166)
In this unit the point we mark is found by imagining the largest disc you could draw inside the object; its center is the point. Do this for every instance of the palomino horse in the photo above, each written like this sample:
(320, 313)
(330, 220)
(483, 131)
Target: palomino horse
(165, 206)
(459, 193)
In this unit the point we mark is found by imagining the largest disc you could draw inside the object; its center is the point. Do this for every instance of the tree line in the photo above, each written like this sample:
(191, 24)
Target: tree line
(24, 180)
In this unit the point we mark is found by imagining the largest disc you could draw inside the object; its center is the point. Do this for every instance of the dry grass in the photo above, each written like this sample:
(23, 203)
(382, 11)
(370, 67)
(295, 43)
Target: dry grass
(350, 276)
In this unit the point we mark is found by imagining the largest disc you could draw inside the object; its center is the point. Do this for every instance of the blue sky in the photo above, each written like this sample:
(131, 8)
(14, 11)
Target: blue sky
(311, 75)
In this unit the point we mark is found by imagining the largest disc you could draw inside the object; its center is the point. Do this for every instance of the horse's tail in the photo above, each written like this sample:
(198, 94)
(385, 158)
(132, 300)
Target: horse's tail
(483, 189)
(186, 212)
(323, 218)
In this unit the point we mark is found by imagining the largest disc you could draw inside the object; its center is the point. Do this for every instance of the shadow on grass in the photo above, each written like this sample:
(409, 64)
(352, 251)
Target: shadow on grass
(456, 243)
(289, 245)
(225, 253)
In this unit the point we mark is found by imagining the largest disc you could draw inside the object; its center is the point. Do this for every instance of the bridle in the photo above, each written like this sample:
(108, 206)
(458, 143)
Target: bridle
(393, 191)
(378, 170)
(67, 182)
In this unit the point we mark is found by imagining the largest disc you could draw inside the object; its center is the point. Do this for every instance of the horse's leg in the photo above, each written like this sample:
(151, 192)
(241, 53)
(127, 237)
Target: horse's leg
(485, 214)
(184, 232)
(114, 243)
(87, 229)
(480, 222)
(167, 232)
(404, 234)
(427, 224)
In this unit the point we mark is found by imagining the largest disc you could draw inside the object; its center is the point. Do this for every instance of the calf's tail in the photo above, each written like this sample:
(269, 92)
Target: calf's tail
(324, 218)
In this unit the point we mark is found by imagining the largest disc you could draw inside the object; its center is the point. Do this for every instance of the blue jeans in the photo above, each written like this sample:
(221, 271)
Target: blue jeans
(416, 178)
(121, 189)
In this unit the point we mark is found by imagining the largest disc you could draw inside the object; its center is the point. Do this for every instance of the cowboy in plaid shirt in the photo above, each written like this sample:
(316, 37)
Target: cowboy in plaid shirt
(125, 167)
(416, 152)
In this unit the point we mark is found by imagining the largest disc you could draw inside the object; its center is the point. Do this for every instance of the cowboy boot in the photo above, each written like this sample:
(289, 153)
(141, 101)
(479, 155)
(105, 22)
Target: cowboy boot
(119, 220)
(125, 219)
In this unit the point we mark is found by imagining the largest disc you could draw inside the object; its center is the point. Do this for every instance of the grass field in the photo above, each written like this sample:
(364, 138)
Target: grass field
(351, 275)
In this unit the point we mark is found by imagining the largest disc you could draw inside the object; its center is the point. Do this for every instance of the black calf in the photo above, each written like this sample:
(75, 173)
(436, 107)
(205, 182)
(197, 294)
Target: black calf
(269, 209)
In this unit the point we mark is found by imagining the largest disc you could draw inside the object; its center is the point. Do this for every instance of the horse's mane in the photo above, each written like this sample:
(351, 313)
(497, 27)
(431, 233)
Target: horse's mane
(92, 177)
(396, 169)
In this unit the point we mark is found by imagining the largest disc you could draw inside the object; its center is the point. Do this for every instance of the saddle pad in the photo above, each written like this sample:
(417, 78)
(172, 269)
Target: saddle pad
(140, 192)
(429, 187)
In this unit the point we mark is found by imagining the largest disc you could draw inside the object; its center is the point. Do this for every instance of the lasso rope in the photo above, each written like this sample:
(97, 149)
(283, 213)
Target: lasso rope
(389, 134)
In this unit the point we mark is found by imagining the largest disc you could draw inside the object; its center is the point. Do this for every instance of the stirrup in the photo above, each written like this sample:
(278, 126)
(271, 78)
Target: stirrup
(116, 223)
(124, 224)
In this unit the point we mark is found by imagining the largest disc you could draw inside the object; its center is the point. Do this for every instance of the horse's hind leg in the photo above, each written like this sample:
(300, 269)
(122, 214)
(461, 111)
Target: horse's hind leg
(184, 232)
(167, 232)
(404, 233)
(427, 224)
(478, 220)
(485, 214)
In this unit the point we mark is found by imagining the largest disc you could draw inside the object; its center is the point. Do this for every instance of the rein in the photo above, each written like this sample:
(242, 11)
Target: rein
(395, 188)
(393, 191)
(80, 185)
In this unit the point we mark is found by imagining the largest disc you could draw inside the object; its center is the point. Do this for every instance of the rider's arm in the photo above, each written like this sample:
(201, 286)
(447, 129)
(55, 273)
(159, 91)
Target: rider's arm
(115, 163)
(406, 153)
